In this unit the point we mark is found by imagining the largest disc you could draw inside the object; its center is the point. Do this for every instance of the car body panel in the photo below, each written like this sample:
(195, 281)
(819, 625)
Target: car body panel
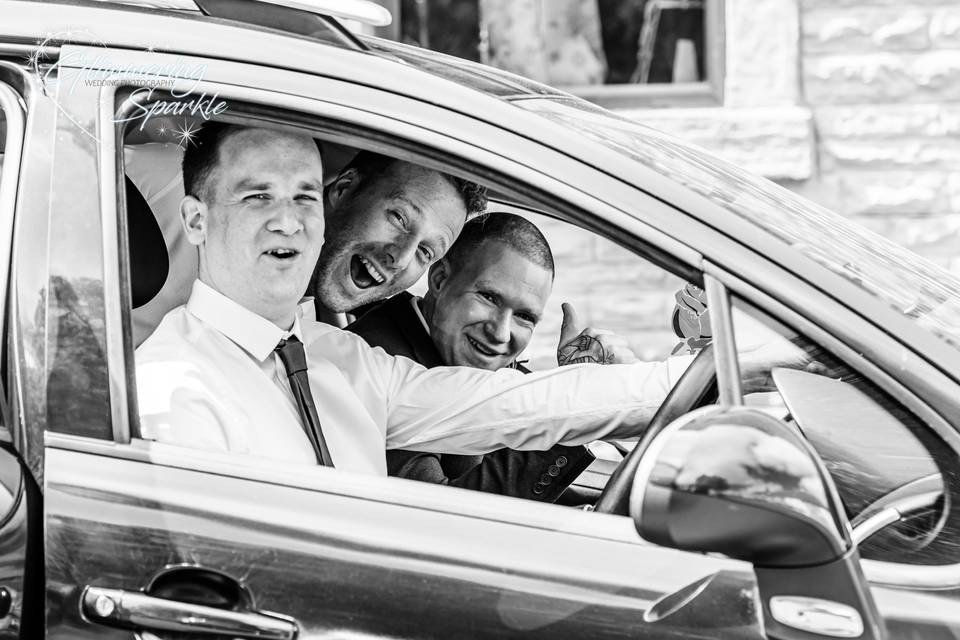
(321, 558)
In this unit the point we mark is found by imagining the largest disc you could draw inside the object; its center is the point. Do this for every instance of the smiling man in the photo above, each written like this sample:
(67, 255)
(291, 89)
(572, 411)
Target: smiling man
(237, 370)
(387, 222)
(484, 299)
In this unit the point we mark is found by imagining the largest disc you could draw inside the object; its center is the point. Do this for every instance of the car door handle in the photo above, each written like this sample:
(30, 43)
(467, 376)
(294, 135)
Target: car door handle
(136, 610)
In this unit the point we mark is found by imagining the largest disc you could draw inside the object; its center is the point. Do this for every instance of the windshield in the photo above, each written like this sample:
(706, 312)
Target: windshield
(910, 284)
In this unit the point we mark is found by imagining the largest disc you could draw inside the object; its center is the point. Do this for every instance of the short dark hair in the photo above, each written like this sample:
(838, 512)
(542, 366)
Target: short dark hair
(516, 232)
(369, 163)
(202, 151)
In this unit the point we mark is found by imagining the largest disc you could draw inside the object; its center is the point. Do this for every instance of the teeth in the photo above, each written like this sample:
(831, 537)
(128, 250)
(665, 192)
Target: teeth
(480, 348)
(376, 275)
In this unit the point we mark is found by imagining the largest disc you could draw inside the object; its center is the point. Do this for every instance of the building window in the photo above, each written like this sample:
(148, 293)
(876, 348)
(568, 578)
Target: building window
(618, 53)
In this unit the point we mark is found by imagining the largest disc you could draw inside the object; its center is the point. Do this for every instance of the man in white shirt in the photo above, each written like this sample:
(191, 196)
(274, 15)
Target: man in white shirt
(209, 376)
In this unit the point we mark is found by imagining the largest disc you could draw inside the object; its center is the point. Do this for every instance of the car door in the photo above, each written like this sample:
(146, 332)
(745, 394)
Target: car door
(140, 534)
(891, 454)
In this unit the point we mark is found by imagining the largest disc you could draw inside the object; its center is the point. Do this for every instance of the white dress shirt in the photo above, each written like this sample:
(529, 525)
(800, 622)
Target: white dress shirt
(208, 377)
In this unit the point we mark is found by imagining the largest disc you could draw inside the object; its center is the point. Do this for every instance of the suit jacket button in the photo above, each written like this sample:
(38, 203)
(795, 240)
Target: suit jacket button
(545, 479)
(561, 461)
(538, 488)
(553, 470)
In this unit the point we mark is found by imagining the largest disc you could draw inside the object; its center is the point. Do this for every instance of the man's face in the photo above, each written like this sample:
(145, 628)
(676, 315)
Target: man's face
(259, 221)
(485, 310)
(383, 232)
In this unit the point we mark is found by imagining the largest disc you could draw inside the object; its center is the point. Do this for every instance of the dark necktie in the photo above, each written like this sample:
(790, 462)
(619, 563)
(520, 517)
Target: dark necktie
(295, 362)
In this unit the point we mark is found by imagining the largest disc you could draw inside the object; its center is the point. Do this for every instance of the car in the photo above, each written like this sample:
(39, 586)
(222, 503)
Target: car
(809, 501)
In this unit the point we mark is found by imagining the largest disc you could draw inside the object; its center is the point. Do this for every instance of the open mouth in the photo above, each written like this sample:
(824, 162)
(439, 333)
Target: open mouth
(283, 254)
(482, 349)
(364, 273)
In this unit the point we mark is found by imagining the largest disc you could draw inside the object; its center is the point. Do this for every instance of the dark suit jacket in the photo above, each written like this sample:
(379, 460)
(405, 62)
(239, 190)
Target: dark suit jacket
(536, 475)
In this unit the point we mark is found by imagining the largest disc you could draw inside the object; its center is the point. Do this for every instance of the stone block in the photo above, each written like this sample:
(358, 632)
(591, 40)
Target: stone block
(762, 40)
(945, 27)
(847, 79)
(891, 153)
(884, 193)
(932, 76)
(814, 5)
(953, 192)
(845, 30)
(887, 120)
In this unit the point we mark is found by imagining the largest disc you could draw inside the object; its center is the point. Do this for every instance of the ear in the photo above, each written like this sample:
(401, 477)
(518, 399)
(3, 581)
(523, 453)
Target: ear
(193, 216)
(342, 186)
(438, 275)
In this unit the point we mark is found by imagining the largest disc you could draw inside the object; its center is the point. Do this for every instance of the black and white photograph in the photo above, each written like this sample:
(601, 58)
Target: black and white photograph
(480, 319)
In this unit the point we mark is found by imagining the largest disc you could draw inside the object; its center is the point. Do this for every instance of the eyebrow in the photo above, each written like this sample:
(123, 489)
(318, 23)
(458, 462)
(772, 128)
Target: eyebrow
(310, 185)
(399, 195)
(249, 184)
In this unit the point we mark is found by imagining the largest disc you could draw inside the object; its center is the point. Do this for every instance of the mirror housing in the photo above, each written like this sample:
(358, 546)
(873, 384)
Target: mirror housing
(740, 482)
(737, 481)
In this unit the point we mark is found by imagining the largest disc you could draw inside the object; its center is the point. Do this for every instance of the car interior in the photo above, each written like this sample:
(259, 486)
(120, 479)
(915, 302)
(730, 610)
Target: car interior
(889, 458)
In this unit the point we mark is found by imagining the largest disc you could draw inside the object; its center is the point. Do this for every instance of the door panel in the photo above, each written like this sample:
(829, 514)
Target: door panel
(340, 563)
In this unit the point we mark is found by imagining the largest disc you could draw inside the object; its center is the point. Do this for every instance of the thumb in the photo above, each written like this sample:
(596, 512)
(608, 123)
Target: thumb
(570, 327)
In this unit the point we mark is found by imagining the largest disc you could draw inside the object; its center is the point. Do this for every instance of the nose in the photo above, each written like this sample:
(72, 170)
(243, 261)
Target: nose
(497, 326)
(285, 218)
(401, 253)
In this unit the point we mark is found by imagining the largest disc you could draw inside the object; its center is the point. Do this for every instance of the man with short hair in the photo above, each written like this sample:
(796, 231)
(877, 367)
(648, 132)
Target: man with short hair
(236, 369)
(483, 301)
(387, 222)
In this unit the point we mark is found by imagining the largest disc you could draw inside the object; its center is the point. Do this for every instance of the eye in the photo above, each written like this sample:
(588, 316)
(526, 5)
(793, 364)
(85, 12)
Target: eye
(489, 297)
(426, 253)
(398, 218)
(526, 317)
(257, 197)
(305, 197)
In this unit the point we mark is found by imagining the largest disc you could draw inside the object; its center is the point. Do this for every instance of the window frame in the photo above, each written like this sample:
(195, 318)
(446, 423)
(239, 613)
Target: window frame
(406, 145)
(706, 93)
(440, 150)
(15, 126)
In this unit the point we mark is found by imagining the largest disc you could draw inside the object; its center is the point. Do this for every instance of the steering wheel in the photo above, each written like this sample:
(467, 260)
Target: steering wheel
(696, 387)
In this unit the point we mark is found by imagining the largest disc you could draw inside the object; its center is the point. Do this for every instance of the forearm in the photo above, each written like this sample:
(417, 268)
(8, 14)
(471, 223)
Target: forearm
(472, 411)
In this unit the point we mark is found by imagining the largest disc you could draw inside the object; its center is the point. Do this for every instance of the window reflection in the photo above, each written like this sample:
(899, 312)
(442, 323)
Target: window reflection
(564, 42)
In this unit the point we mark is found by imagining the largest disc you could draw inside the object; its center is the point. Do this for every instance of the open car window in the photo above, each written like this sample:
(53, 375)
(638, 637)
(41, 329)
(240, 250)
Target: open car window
(611, 287)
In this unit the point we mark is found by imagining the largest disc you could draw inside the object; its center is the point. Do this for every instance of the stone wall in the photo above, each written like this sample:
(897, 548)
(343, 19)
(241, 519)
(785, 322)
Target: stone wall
(882, 80)
(853, 104)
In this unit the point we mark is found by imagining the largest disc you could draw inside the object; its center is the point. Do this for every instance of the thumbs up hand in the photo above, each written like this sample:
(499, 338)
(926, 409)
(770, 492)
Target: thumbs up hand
(589, 345)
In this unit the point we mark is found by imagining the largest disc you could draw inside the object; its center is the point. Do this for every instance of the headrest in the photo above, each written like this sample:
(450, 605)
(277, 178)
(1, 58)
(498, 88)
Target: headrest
(149, 262)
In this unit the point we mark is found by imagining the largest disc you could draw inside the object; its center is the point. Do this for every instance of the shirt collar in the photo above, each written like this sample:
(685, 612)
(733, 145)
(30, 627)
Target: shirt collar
(415, 302)
(251, 332)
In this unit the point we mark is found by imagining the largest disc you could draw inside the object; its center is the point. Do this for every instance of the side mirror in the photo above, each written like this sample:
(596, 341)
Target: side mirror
(737, 481)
